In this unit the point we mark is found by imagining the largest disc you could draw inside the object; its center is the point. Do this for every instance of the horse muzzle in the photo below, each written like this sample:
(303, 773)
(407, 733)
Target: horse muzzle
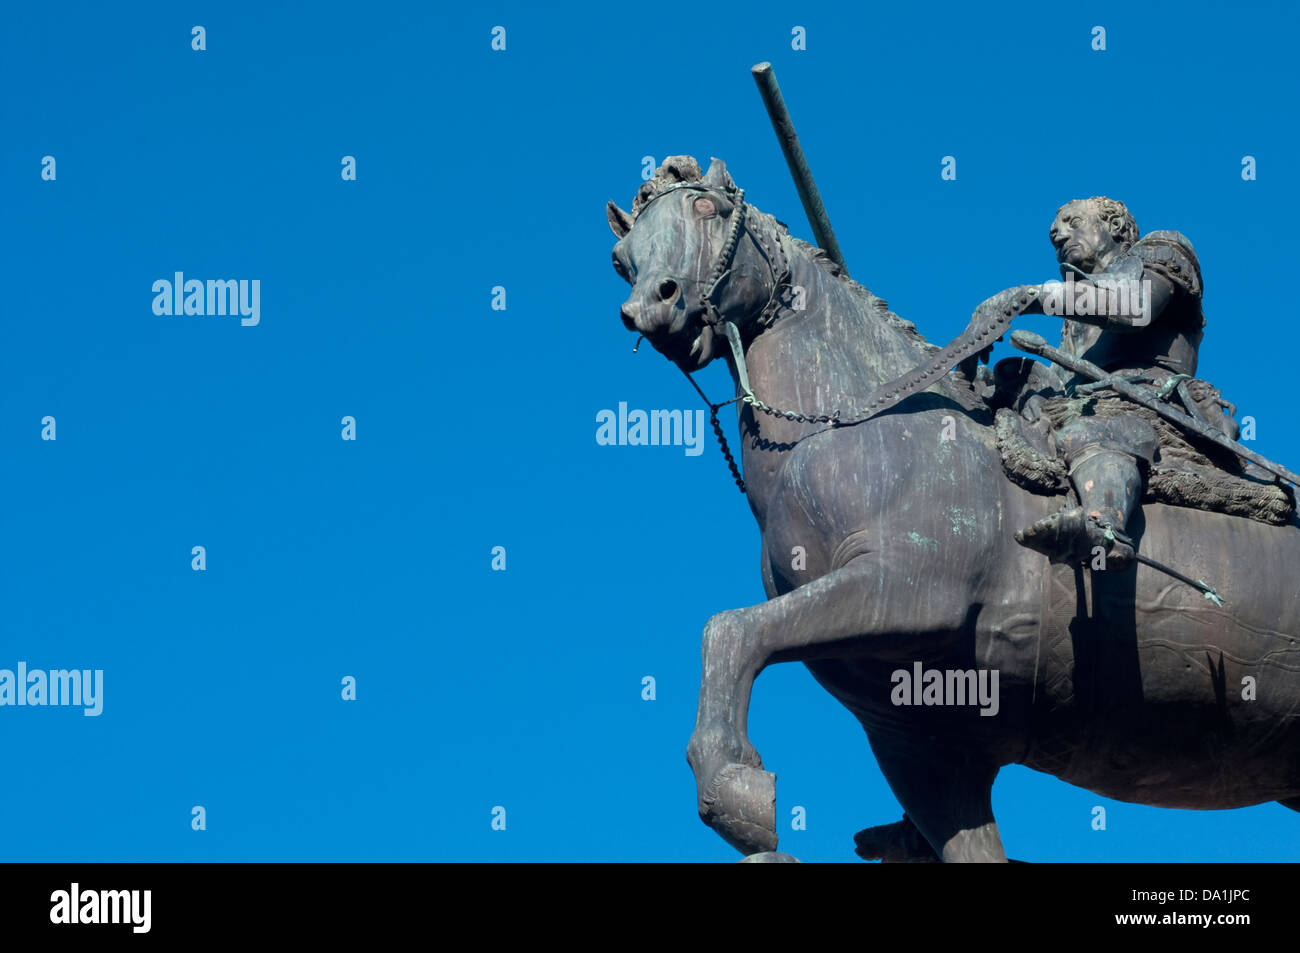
(681, 336)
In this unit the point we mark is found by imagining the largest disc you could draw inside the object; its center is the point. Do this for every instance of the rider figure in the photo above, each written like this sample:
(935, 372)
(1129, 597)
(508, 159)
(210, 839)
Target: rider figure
(1141, 304)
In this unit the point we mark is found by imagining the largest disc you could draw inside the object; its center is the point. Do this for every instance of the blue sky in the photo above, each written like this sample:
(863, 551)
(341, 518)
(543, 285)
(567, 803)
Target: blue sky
(476, 427)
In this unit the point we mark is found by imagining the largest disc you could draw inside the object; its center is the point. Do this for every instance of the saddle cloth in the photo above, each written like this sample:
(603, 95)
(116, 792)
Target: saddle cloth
(1185, 473)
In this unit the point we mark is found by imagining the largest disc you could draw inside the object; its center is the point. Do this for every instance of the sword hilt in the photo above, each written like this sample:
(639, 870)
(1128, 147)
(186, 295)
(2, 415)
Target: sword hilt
(1029, 341)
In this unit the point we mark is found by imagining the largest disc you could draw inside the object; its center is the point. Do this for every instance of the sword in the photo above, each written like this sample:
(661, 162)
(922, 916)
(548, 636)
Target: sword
(1037, 345)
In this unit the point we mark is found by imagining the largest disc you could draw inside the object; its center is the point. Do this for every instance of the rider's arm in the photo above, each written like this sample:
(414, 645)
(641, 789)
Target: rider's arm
(1120, 304)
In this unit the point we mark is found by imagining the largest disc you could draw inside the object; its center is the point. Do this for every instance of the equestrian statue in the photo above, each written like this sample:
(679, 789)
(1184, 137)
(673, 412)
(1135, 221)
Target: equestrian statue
(1086, 537)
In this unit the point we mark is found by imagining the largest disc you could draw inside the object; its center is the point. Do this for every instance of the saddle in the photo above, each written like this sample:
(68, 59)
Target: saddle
(1030, 404)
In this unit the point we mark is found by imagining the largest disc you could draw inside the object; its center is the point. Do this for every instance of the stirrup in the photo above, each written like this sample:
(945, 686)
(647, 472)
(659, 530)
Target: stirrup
(1112, 536)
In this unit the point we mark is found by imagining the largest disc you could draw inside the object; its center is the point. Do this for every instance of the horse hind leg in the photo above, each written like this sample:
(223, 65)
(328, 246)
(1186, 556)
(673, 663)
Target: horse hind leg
(950, 800)
(897, 843)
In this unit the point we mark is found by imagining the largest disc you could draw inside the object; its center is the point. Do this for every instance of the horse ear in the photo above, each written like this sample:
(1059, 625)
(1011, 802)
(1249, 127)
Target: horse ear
(717, 176)
(620, 223)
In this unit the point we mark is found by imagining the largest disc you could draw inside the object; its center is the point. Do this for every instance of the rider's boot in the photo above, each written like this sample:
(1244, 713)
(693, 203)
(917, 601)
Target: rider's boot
(1109, 484)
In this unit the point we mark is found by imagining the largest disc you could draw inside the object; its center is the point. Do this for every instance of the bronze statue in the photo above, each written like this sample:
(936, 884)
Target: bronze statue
(862, 451)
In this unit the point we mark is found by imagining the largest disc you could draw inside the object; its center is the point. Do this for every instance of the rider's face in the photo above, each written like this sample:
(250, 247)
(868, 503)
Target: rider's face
(1082, 238)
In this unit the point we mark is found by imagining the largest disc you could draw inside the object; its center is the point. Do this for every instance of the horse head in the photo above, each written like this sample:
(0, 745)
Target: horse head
(697, 257)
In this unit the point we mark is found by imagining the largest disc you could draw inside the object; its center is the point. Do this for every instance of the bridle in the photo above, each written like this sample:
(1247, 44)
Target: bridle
(988, 322)
(778, 263)
(778, 266)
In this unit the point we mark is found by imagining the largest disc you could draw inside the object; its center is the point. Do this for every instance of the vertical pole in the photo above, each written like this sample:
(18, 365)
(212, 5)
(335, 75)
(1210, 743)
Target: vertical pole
(794, 158)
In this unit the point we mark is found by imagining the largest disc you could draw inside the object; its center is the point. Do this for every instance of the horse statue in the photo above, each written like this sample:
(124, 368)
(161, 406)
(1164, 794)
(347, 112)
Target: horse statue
(901, 524)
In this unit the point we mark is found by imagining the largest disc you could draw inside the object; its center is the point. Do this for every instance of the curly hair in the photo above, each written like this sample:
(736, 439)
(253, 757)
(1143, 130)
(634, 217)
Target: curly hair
(1115, 214)
(673, 170)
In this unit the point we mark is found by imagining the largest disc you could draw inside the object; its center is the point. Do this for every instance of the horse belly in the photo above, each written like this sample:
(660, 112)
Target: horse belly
(1148, 692)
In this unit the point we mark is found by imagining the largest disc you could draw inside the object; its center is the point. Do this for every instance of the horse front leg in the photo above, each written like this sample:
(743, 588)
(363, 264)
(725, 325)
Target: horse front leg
(737, 798)
(846, 612)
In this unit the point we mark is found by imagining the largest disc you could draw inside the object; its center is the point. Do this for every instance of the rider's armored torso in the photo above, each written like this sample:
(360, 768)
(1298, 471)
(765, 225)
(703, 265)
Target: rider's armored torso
(1172, 338)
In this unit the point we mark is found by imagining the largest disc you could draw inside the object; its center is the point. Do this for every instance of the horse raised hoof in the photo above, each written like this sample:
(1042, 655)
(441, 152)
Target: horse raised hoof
(740, 805)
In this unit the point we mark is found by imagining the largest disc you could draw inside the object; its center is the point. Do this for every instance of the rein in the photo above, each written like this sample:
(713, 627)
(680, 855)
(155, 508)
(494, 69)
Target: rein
(980, 333)
(779, 269)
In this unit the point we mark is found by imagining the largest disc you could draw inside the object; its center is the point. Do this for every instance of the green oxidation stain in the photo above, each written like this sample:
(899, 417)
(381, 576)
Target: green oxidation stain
(925, 541)
(963, 521)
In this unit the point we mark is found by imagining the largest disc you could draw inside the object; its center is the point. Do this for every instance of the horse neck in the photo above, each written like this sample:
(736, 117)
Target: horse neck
(842, 345)
(828, 357)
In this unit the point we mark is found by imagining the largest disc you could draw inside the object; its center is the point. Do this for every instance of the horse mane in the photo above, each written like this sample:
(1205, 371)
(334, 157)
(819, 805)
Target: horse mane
(677, 169)
(860, 291)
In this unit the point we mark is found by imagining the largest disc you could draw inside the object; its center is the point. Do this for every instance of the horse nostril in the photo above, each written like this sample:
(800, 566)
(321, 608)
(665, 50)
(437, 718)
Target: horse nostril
(629, 321)
(667, 289)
